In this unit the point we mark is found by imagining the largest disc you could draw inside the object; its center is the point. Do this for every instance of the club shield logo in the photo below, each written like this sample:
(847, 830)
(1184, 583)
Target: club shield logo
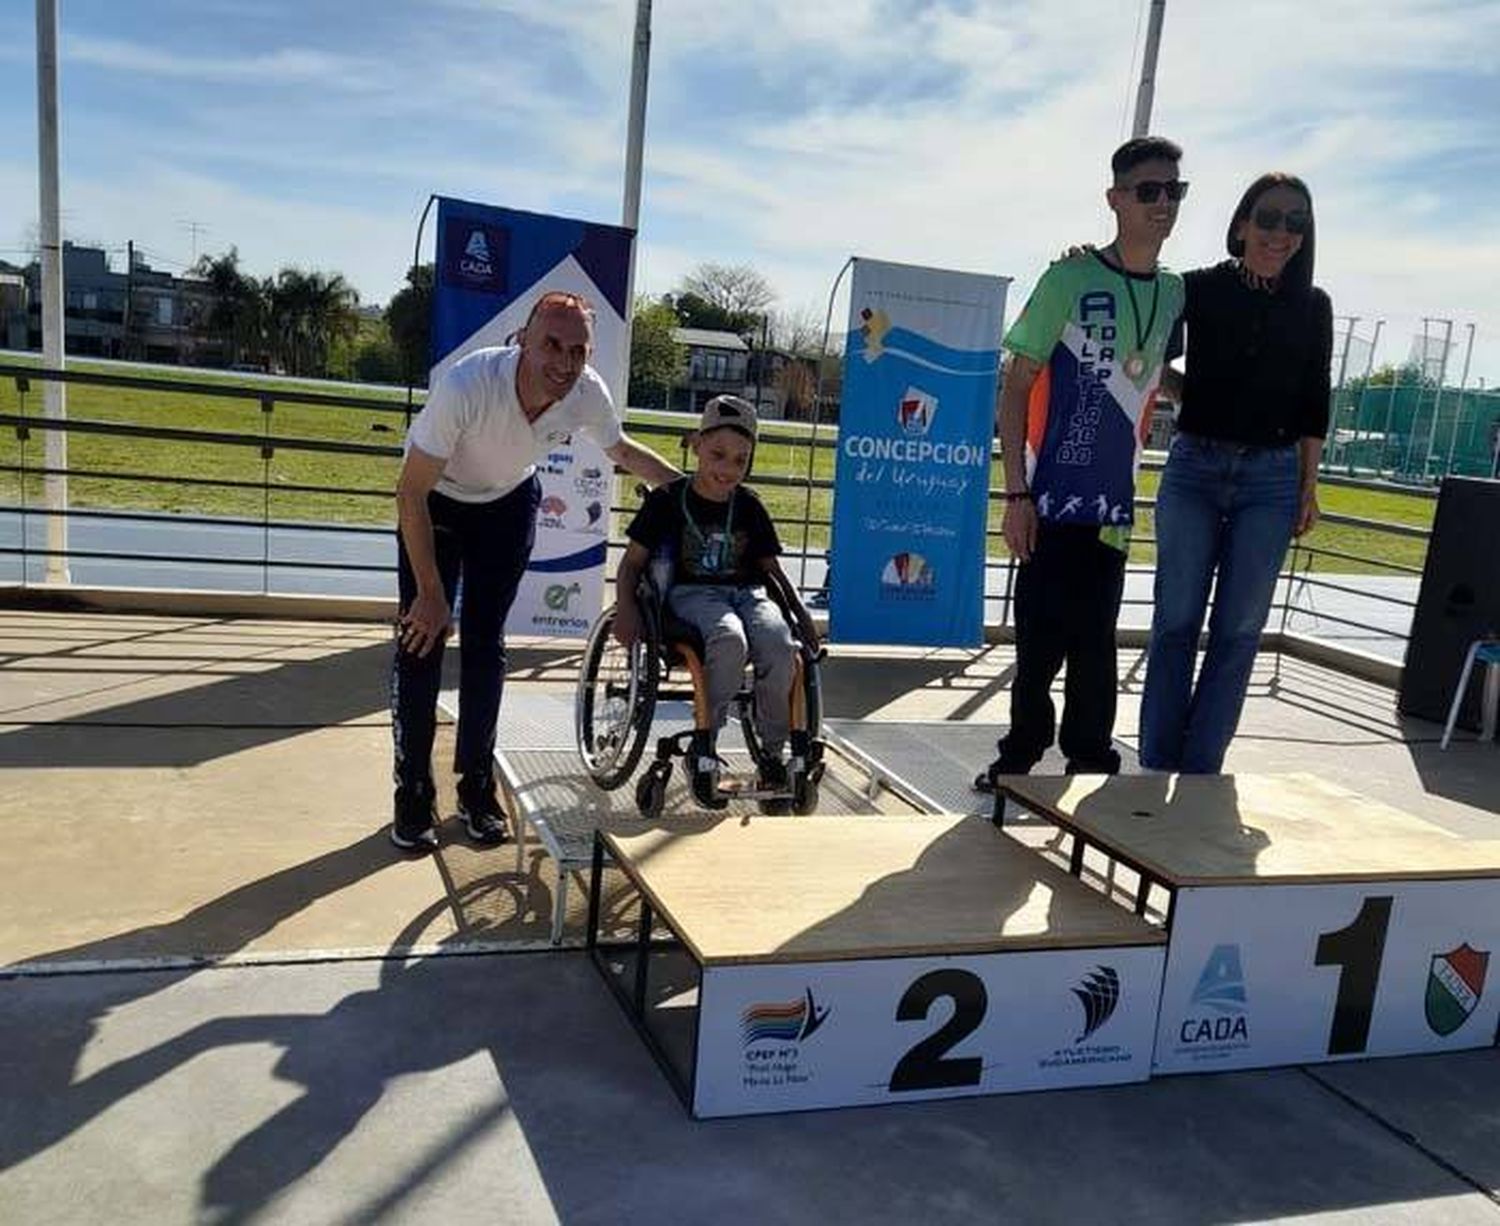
(1455, 983)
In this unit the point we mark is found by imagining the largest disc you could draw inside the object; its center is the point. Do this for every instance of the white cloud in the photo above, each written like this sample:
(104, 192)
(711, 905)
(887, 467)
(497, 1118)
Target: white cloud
(788, 135)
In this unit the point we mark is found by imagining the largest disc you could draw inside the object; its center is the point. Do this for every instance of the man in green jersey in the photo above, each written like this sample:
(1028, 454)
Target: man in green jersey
(1085, 362)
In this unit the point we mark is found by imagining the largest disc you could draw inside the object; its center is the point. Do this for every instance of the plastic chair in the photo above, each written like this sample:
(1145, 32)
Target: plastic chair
(1486, 652)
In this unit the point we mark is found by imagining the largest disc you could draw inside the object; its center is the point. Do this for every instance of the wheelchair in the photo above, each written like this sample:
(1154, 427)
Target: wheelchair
(618, 689)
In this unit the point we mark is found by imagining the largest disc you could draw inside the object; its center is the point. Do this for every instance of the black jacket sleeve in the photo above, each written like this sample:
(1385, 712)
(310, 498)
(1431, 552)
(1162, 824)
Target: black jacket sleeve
(1312, 418)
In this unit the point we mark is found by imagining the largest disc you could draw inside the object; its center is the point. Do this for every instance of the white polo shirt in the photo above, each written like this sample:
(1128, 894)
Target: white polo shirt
(473, 420)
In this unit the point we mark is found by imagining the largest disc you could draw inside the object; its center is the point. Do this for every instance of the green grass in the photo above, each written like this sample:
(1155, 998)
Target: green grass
(377, 474)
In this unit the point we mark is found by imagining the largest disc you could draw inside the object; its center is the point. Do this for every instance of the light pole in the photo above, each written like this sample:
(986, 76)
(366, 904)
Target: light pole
(1146, 93)
(54, 394)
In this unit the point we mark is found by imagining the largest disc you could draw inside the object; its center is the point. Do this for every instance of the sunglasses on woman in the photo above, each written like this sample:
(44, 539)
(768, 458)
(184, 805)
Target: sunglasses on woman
(1149, 191)
(1270, 219)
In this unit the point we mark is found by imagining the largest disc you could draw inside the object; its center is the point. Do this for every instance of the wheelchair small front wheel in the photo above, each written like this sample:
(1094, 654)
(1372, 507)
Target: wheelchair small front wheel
(651, 793)
(616, 700)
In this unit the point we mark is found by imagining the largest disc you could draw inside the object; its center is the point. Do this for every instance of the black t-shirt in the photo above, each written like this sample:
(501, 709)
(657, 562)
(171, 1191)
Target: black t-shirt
(707, 541)
(1257, 362)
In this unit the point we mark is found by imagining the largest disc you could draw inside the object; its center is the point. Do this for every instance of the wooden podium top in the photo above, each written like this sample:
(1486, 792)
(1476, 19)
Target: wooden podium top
(812, 889)
(1252, 829)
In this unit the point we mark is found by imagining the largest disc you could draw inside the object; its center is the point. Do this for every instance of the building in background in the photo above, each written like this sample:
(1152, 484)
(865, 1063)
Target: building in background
(138, 312)
(717, 363)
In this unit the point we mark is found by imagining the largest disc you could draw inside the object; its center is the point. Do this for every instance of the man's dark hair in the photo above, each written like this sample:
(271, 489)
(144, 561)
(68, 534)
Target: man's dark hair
(1143, 149)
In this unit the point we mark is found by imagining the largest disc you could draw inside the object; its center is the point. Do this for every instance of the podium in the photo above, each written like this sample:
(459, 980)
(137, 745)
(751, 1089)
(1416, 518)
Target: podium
(1307, 923)
(790, 963)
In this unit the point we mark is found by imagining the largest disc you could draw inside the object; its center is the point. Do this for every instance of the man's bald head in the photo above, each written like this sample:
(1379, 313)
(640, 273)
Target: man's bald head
(556, 344)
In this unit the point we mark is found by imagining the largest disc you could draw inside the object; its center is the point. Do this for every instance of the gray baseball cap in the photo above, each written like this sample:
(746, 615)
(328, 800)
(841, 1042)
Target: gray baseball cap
(733, 411)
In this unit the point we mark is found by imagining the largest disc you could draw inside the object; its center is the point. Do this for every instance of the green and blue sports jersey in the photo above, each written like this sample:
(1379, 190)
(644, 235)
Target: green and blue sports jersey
(1100, 336)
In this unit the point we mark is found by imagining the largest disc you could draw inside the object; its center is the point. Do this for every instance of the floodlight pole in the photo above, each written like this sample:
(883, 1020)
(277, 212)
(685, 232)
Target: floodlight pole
(635, 145)
(54, 394)
(1146, 94)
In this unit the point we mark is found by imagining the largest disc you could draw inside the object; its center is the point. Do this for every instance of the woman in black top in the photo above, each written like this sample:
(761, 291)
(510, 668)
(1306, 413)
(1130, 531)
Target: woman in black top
(1241, 477)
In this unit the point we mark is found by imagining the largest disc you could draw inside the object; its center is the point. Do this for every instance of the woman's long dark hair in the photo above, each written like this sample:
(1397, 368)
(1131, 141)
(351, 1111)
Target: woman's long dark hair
(1297, 276)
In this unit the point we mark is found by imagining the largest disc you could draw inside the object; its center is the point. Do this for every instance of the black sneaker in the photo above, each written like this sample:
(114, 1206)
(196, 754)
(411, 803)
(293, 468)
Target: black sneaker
(703, 771)
(1003, 765)
(413, 828)
(774, 777)
(1109, 764)
(480, 809)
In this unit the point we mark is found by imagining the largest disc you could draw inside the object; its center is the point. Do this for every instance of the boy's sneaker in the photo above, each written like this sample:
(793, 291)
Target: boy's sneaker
(412, 828)
(773, 776)
(703, 771)
(480, 809)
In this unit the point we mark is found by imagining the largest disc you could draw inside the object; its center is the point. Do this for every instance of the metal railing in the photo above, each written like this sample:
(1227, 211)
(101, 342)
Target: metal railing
(1305, 575)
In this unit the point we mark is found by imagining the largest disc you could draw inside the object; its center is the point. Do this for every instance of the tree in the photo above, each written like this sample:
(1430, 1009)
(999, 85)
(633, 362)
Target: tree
(695, 311)
(409, 315)
(376, 358)
(734, 288)
(656, 360)
(797, 330)
(312, 313)
(238, 315)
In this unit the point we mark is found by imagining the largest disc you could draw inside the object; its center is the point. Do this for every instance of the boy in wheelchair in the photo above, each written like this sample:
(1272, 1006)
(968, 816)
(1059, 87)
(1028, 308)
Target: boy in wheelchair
(722, 547)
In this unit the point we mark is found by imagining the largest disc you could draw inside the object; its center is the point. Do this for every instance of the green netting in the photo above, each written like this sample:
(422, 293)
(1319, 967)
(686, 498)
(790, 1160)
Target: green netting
(1414, 432)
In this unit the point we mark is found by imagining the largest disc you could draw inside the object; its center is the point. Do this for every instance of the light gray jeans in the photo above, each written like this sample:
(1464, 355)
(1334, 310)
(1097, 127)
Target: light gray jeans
(736, 622)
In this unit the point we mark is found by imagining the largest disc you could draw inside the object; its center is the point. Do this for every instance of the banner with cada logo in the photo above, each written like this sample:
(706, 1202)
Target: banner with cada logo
(912, 479)
(492, 266)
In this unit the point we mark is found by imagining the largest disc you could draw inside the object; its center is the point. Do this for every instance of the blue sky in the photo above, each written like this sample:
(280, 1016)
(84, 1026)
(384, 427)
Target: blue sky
(782, 133)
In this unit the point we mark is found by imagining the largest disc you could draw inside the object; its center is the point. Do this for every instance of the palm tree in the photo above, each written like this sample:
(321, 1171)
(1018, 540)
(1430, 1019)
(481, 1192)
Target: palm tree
(237, 315)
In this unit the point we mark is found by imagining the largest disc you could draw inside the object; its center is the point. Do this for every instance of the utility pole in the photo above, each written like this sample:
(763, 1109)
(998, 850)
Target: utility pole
(194, 228)
(54, 402)
(1463, 385)
(125, 346)
(1146, 94)
(635, 145)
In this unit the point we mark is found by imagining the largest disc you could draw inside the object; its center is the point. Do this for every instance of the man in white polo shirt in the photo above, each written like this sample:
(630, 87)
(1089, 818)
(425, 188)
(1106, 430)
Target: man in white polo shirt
(466, 504)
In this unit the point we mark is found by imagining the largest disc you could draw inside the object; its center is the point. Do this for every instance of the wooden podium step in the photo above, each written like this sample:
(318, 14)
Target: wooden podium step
(786, 964)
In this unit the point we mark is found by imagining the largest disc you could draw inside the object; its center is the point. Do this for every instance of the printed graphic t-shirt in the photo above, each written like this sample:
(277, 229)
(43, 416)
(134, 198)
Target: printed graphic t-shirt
(475, 422)
(707, 541)
(1100, 334)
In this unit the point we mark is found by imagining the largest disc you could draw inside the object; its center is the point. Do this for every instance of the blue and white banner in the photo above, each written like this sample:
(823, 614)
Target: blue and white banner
(913, 473)
(492, 266)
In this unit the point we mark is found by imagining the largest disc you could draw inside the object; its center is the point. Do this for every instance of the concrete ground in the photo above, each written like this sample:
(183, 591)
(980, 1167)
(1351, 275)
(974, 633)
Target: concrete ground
(181, 794)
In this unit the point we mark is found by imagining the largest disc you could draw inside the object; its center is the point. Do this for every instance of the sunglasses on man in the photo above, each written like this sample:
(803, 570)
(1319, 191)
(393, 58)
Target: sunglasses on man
(1149, 191)
(1269, 219)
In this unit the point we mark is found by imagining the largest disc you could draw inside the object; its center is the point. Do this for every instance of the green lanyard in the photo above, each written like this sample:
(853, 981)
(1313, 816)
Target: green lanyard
(710, 558)
(1135, 360)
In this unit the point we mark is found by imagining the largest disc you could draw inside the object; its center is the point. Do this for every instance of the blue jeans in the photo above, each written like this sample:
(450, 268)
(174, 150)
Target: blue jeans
(1225, 508)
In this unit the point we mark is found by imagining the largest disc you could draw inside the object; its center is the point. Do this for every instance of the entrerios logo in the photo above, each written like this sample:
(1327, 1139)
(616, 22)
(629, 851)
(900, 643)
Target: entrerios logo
(1455, 982)
(915, 411)
(782, 1022)
(1099, 993)
(558, 596)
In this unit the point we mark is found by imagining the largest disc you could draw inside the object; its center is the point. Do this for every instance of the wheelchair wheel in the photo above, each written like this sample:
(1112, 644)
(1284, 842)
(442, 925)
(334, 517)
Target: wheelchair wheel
(616, 700)
(651, 792)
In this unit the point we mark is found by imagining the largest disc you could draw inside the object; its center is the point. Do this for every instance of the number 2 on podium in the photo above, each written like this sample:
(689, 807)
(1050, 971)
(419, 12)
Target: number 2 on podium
(923, 1067)
(1357, 949)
